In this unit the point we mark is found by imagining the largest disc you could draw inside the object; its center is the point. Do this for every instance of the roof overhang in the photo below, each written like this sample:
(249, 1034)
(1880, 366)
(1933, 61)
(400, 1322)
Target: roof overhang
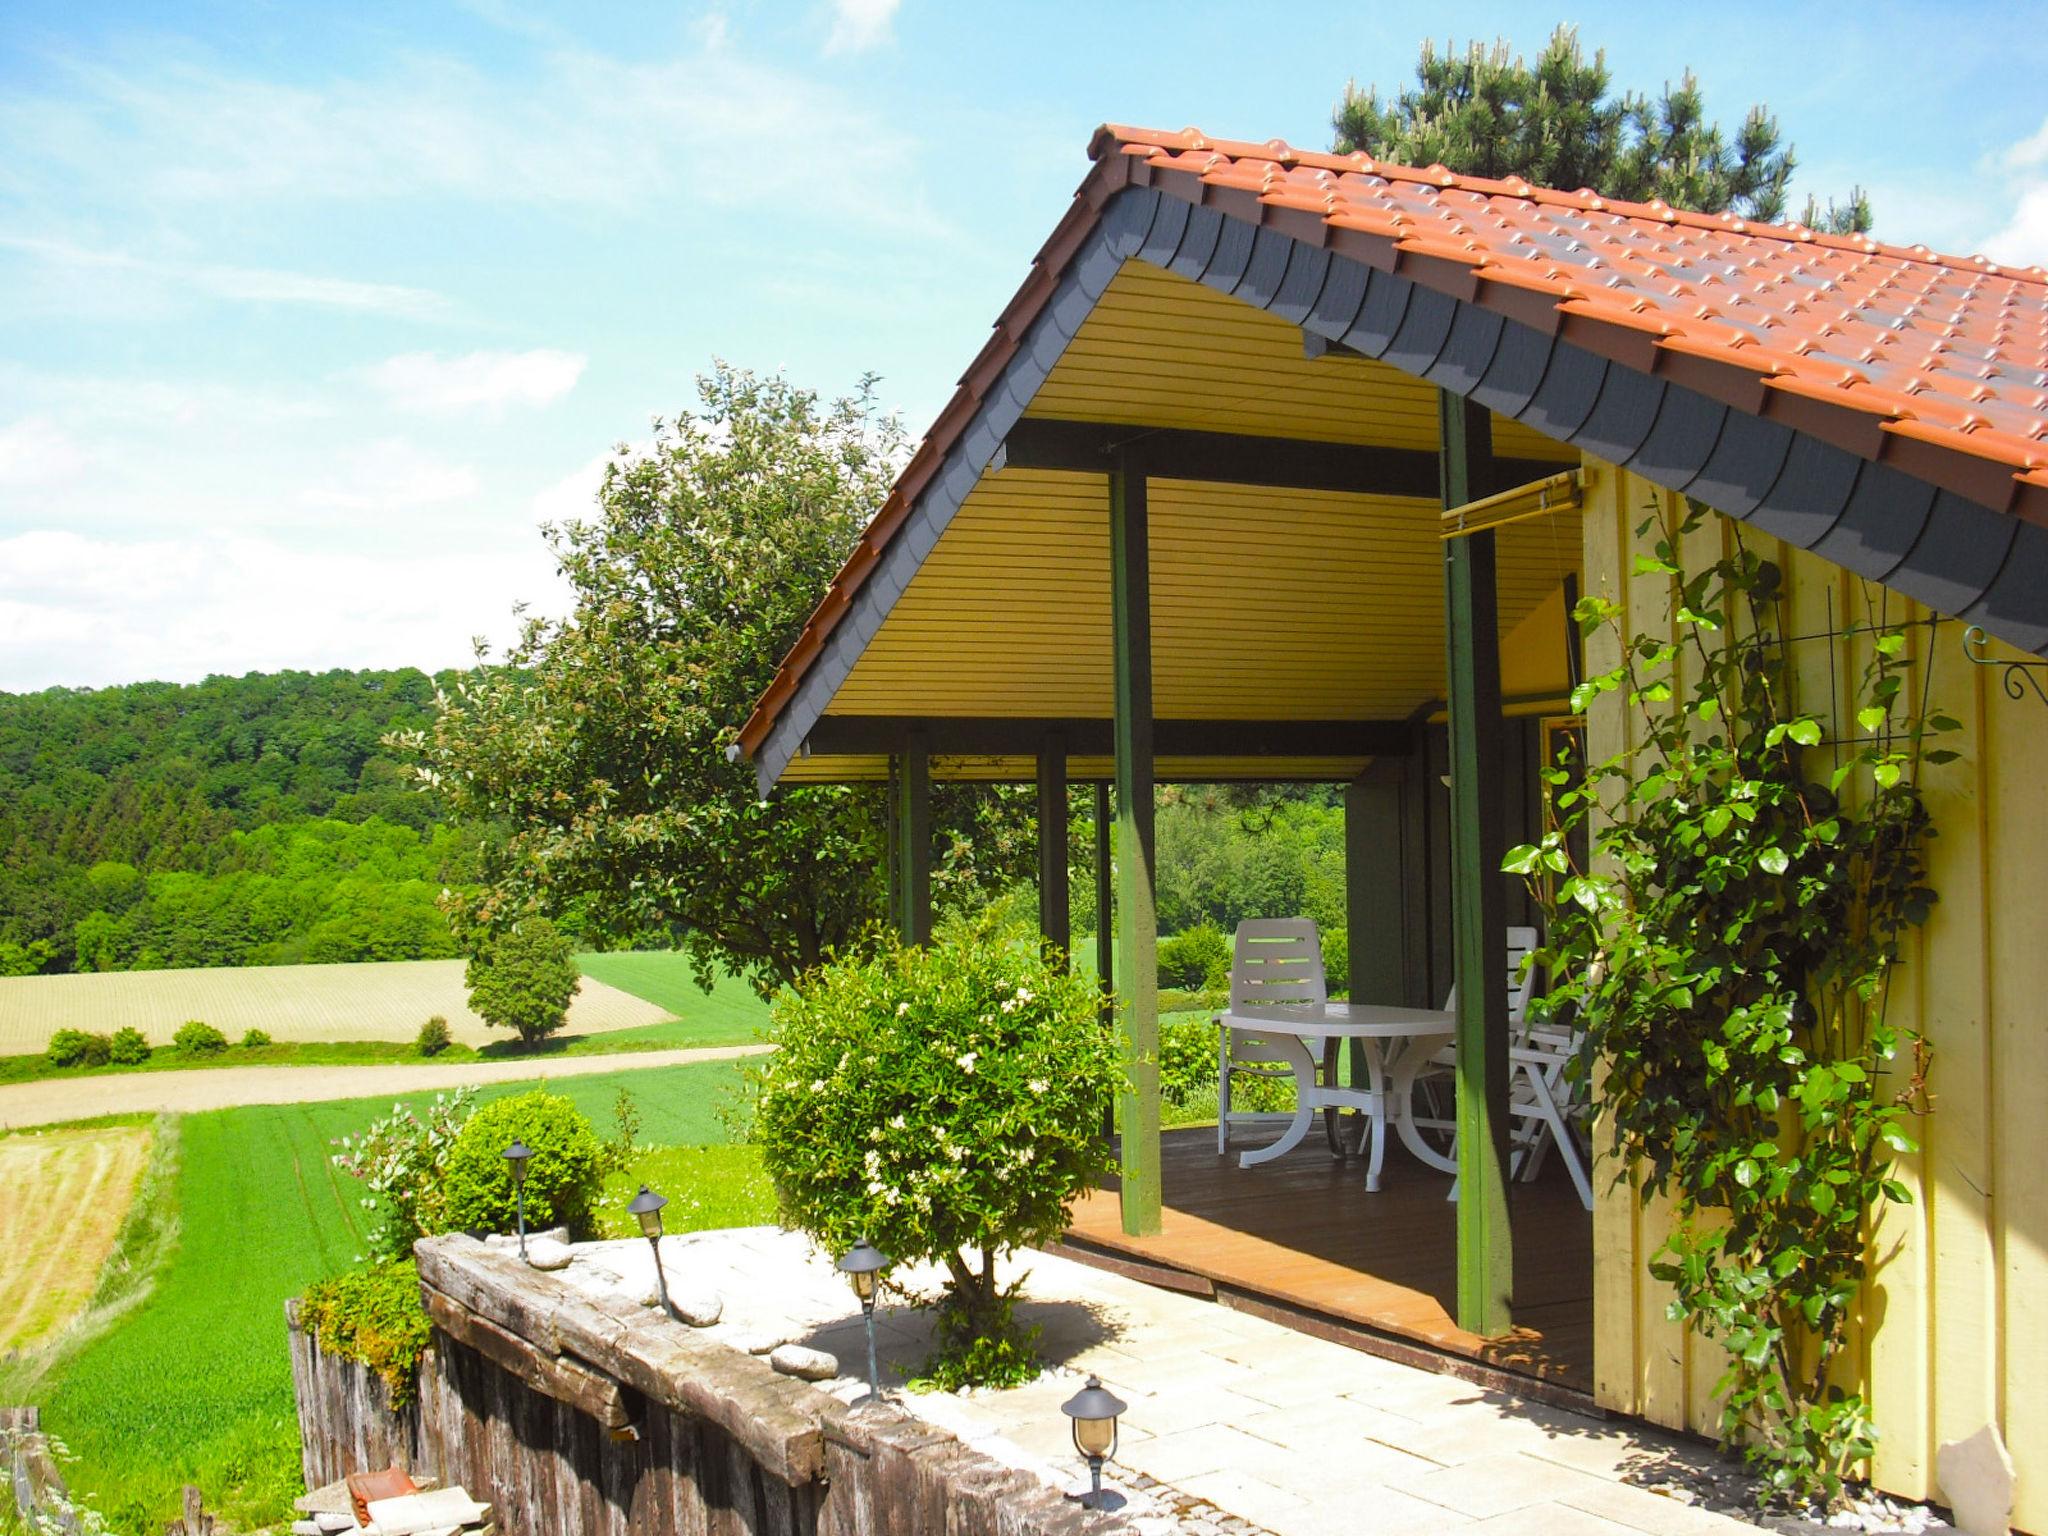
(1940, 522)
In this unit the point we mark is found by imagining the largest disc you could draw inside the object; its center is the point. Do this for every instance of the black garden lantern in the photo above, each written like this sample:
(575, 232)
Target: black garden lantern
(863, 1265)
(646, 1207)
(1094, 1411)
(516, 1155)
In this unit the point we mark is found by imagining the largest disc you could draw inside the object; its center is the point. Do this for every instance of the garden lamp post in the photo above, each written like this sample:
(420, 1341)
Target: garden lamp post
(647, 1207)
(1094, 1412)
(863, 1265)
(516, 1155)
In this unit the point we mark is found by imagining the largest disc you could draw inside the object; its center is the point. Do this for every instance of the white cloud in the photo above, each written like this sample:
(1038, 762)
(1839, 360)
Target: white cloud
(580, 128)
(427, 381)
(2022, 240)
(248, 285)
(573, 497)
(858, 25)
(390, 474)
(88, 611)
(36, 451)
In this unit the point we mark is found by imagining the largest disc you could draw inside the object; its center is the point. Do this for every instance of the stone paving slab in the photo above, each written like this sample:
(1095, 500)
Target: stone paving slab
(1272, 1430)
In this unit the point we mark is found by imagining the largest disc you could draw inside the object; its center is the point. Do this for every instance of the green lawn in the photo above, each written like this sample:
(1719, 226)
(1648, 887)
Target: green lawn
(730, 1014)
(195, 1385)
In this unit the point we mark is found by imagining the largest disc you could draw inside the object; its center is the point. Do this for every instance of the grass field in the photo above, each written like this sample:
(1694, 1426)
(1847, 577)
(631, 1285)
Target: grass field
(657, 985)
(194, 1385)
(386, 1000)
(63, 1195)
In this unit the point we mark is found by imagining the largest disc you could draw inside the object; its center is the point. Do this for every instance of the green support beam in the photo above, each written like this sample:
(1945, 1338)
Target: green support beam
(1478, 897)
(1105, 949)
(1137, 935)
(913, 823)
(1376, 897)
(1055, 920)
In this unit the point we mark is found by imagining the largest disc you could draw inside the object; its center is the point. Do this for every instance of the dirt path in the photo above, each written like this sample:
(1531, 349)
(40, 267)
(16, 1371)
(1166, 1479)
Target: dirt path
(76, 1098)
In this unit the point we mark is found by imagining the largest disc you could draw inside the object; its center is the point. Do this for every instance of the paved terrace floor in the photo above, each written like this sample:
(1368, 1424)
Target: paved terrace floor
(1285, 1432)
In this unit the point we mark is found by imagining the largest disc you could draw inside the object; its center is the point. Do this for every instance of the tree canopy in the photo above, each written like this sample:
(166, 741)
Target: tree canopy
(239, 821)
(1558, 122)
(599, 742)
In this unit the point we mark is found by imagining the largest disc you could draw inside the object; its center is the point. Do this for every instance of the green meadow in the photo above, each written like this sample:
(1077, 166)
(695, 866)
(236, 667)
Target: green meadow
(194, 1384)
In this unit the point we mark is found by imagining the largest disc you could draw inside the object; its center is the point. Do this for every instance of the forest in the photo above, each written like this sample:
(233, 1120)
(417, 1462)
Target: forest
(240, 821)
(258, 820)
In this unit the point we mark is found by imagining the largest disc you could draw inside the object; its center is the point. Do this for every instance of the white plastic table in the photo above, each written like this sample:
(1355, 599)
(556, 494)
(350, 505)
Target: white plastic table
(1397, 1042)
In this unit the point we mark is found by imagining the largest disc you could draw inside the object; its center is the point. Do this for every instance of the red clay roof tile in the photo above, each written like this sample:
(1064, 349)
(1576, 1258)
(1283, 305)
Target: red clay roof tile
(1940, 363)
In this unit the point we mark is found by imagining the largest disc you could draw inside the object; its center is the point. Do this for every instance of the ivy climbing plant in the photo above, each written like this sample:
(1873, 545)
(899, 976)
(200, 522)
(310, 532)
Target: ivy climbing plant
(1726, 946)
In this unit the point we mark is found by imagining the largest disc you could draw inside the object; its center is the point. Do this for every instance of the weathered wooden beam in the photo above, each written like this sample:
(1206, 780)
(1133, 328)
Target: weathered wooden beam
(999, 736)
(564, 1379)
(1137, 935)
(1178, 453)
(1055, 905)
(914, 841)
(1479, 921)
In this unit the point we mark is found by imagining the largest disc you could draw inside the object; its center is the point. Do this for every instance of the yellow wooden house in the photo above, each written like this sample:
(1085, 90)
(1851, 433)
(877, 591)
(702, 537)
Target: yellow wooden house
(1185, 519)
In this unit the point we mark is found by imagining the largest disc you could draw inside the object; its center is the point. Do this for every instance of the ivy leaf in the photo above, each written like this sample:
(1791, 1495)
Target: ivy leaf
(1871, 716)
(1774, 860)
(1822, 1198)
(1886, 774)
(1521, 860)
(1747, 1173)
(1805, 731)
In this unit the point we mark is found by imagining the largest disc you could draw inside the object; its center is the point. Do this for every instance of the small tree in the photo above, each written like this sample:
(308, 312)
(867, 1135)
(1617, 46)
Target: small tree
(522, 978)
(946, 1104)
(1557, 123)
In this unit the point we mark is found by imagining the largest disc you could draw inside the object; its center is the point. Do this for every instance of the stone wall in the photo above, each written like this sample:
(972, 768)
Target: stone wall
(568, 1414)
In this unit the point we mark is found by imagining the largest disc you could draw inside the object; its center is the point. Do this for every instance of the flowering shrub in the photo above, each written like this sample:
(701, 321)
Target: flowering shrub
(403, 1160)
(563, 1177)
(945, 1103)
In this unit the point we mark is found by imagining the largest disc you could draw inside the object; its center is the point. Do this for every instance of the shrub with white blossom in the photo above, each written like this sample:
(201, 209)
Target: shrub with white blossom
(403, 1160)
(947, 1104)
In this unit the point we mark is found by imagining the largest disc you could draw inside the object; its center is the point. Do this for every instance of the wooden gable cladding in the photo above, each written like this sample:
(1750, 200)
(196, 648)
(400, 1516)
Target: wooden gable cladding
(1164, 350)
(1267, 604)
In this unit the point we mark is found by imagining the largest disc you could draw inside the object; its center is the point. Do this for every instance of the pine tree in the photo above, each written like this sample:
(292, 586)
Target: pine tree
(1558, 123)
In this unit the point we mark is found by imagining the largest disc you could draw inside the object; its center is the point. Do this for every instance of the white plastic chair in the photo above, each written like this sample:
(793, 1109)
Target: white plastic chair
(1544, 1101)
(1275, 962)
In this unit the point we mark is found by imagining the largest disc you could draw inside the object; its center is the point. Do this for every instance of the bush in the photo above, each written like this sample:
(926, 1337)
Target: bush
(197, 1039)
(256, 1039)
(77, 1048)
(433, 1037)
(374, 1316)
(946, 1103)
(563, 1177)
(404, 1161)
(1188, 1056)
(522, 979)
(128, 1046)
(1197, 958)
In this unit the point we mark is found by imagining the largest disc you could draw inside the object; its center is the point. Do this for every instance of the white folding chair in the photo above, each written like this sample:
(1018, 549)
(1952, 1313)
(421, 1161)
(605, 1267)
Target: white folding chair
(1275, 962)
(1521, 985)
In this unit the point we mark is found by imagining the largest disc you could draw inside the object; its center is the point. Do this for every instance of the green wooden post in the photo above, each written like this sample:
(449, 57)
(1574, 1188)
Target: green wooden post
(1478, 901)
(1375, 894)
(1055, 919)
(1137, 935)
(1105, 948)
(914, 843)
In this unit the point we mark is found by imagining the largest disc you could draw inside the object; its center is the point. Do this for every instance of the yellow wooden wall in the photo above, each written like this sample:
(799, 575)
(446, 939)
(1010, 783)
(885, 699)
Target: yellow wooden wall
(1955, 1331)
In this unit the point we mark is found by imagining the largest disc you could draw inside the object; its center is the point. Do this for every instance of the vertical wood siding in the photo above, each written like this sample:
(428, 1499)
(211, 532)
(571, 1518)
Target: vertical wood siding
(1955, 1328)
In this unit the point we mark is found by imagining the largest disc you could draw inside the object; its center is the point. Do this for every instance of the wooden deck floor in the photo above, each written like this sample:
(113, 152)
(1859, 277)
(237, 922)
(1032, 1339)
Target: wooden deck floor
(1302, 1230)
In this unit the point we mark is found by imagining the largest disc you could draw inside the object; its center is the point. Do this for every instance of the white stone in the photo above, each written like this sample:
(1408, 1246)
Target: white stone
(1977, 1476)
(546, 1253)
(803, 1363)
(748, 1343)
(698, 1308)
(511, 1239)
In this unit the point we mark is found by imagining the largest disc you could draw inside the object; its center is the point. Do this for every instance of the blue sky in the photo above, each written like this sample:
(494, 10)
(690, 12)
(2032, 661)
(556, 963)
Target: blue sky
(309, 316)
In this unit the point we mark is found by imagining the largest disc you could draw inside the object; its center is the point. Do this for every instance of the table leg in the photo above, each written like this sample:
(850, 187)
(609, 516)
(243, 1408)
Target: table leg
(1376, 1107)
(1306, 1102)
(1411, 1062)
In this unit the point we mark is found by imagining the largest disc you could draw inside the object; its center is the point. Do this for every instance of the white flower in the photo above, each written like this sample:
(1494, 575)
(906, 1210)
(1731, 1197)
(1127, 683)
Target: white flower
(1010, 1005)
(967, 1062)
(1038, 1085)
(1027, 1155)
(902, 1009)
(817, 1085)
(1024, 994)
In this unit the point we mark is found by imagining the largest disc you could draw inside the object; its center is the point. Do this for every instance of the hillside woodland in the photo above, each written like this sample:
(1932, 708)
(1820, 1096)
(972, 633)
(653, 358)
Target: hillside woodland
(240, 821)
